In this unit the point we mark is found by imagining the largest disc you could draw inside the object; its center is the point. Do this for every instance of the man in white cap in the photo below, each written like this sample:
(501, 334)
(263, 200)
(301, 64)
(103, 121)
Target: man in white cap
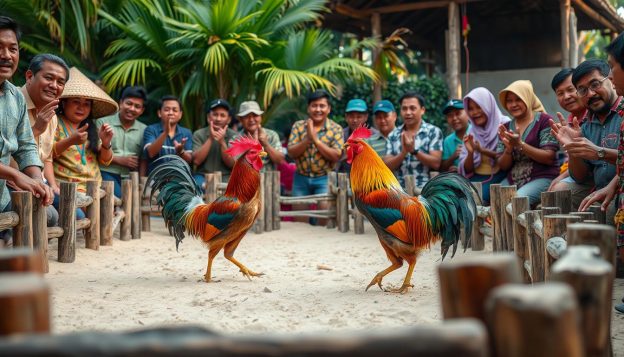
(250, 117)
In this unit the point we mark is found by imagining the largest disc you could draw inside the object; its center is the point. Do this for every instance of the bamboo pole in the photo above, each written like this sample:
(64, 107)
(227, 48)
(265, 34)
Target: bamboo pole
(92, 234)
(21, 202)
(136, 206)
(40, 231)
(67, 221)
(107, 211)
(145, 201)
(554, 226)
(277, 191)
(125, 231)
(24, 304)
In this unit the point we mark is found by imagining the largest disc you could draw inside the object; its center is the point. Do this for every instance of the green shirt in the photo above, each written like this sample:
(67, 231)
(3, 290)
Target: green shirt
(213, 162)
(274, 141)
(125, 142)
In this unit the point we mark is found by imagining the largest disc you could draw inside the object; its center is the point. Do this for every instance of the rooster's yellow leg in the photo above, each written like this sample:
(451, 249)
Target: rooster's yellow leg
(379, 277)
(229, 255)
(212, 253)
(407, 282)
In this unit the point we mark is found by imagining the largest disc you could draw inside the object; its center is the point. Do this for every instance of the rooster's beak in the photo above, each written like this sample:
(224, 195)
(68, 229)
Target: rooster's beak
(262, 154)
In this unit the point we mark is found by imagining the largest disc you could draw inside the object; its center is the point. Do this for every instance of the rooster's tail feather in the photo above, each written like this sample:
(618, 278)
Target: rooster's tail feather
(450, 202)
(178, 193)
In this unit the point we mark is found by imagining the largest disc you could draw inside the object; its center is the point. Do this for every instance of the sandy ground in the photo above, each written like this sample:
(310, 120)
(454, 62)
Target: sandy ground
(146, 283)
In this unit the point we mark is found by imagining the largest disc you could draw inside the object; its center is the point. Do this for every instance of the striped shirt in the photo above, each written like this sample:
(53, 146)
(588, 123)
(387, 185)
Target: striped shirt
(16, 136)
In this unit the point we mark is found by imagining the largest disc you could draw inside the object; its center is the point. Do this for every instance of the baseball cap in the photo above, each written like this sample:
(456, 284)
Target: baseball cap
(383, 106)
(356, 105)
(453, 104)
(219, 103)
(249, 107)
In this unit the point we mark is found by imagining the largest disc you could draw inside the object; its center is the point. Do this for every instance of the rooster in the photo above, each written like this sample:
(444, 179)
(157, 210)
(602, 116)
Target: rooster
(404, 224)
(223, 223)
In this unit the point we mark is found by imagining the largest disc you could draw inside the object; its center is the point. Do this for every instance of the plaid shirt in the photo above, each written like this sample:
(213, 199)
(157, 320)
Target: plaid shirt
(311, 163)
(16, 137)
(429, 138)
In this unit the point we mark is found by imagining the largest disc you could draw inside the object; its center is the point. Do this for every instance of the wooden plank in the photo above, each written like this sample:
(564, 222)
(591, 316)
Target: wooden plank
(21, 202)
(125, 231)
(107, 211)
(92, 233)
(135, 215)
(67, 221)
(24, 304)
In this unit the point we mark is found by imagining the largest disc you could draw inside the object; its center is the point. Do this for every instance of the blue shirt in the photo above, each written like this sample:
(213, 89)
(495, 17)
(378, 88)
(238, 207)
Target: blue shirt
(16, 136)
(153, 131)
(451, 142)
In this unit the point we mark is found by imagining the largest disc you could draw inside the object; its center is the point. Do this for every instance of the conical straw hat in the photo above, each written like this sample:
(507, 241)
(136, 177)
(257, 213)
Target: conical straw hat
(80, 86)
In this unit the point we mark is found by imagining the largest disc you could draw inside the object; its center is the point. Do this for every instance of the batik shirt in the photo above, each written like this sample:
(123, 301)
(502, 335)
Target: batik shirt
(429, 138)
(311, 163)
(619, 216)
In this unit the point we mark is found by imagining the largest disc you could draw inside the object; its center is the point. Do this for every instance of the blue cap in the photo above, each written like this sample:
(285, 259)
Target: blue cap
(356, 105)
(453, 104)
(383, 106)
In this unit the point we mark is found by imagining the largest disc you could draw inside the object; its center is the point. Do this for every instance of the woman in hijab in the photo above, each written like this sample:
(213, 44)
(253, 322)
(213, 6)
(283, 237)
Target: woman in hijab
(526, 148)
(477, 160)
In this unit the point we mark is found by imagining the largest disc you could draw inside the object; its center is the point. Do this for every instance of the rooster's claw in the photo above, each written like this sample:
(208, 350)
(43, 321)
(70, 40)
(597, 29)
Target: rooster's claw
(376, 280)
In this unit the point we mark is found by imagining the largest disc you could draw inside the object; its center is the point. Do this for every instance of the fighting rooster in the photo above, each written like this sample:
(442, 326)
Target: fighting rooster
(222, 223)
(406, 225)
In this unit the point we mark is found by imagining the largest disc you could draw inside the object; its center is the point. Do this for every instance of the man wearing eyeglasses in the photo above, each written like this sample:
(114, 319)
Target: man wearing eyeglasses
(592, 146)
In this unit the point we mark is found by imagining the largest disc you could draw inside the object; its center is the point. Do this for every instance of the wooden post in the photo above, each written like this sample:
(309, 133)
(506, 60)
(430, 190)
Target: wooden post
(21, 202)
(561, 199)
(40, 231)
(496, 217)
(332, 183)
(342, 203)
(554, 226)
(145, 202)
(520, 205)
(454, 56)
(376, 32)
(212, 182)
(584, 216)
(258, 226)
(466, 282)
(564, 8)
(410, 185)
(599, 214)
(24, 304)
(277, 192)
(477, 239)
(536, 247)
(107, 212)
(268, 201)
(591, 278)
(539, 320)
(92, 234)
(136, 206)
(67, 221)
(574, 50)
(600, 235)
(125, 230)
(507, 193)
(21, 259)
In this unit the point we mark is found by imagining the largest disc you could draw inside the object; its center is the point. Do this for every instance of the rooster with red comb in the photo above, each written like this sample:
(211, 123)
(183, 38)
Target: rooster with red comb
(404, 224)
(221, 224)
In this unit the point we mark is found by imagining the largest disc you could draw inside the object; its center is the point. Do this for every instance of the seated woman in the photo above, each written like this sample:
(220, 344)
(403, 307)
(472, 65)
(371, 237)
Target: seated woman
(527, 148)
(79, 147)
(478, 160)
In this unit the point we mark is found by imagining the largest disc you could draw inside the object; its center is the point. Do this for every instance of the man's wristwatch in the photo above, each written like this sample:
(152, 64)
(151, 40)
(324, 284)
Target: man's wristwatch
(601, 153)
(415, 152)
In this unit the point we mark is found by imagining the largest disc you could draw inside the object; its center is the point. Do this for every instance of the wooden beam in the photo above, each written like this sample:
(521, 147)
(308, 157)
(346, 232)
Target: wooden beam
(593, 14)
(574, 48)
(346, 10)
(376, 32)
(564, 10)
(453, 54)
(413, 6)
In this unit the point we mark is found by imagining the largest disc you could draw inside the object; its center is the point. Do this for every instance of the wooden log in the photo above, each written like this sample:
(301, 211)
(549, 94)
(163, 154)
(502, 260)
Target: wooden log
(536, 247)
(268, 201)
(584, 215)
(591, 277)
(145, 201)
(599, 214)
(135, 215)
(332, 183)
(8, 220)
(591, 221)
(495, 209)
(561, 199)
(24, 304)
(83, 200)
(21, 259)
(323, 214)
(107, 212)
(258, 226)
(410, 185)
(484, 212)
(342, 203)
(212, 186)
(507, 193)
(358, 221)
(545, 211)
(21, 202)
(92, 233)
(564, 16)
(466, 338)
(466, 282)
(478, 239)
(520, 205)
(538, 320)
(83, 223)
(453, 69)
(599, 235)
(117, 201)
(40, 231)
(55, 232)
(125, 231)
(67, 221)
(555, 226)
(277, 191)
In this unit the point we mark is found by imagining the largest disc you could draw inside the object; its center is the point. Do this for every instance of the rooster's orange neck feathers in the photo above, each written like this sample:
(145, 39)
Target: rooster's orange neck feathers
(370, 173)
